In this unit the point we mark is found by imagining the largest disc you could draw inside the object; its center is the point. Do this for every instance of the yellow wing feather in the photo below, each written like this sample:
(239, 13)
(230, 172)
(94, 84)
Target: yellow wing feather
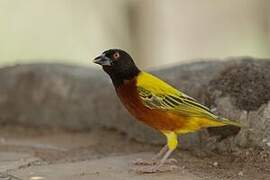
(157, 94)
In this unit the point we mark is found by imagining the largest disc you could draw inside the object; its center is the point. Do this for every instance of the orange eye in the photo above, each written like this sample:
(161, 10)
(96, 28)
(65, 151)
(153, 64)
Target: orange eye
(116, 55)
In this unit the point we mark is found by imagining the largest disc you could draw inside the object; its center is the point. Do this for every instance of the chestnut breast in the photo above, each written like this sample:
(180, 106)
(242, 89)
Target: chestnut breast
(155, 118)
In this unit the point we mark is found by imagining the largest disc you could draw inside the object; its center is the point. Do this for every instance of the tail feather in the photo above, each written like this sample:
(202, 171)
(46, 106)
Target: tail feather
(228, 129)
(232, 123)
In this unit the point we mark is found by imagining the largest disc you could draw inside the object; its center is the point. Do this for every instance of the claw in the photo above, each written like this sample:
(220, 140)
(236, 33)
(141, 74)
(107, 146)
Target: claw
(171, 161)
(153, 162)
(144, 162)
(155, 169)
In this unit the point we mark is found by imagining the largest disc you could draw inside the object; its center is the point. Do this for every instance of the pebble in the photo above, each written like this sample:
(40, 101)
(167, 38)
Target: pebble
(37, 178)
(215, 164)
(241, 173)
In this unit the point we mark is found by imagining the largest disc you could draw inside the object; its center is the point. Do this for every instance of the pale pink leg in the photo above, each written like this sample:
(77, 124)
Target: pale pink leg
(156, 158)
(158, 167)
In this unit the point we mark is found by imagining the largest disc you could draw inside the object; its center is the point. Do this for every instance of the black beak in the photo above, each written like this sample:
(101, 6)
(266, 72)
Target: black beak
(102, 60)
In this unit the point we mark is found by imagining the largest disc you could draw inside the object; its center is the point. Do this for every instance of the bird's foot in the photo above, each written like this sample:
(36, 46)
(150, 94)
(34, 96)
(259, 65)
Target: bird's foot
(154, 169)
(153, 162)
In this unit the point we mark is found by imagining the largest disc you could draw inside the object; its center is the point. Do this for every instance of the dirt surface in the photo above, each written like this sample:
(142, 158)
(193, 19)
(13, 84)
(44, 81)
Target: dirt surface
(106, 154)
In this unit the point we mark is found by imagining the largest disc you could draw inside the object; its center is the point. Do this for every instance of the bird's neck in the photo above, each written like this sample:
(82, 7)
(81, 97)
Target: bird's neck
(119, 78)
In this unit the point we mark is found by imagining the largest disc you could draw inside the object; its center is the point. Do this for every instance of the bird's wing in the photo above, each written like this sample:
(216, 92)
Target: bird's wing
(156, 94)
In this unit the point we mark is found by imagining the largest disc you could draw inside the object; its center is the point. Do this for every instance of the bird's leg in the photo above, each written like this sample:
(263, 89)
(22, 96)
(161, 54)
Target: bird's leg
(154, 159)
(161, 153)
(160, 166)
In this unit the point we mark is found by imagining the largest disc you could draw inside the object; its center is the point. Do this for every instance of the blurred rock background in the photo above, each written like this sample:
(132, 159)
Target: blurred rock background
(83, 99)
(59, 39)
(155, 32)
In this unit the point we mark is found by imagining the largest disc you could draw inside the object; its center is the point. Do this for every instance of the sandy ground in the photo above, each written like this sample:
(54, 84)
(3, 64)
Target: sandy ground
(36, 154)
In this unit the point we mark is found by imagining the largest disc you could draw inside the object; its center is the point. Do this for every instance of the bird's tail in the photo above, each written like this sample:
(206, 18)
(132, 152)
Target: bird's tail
(232, 123)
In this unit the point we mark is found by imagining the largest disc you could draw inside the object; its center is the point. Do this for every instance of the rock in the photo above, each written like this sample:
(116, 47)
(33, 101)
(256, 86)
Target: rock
(47, 95)
(240, 92)
(80, 98)
(247, 83)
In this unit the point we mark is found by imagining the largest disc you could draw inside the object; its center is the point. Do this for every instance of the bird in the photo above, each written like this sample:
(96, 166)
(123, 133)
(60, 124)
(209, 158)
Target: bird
(157, 104)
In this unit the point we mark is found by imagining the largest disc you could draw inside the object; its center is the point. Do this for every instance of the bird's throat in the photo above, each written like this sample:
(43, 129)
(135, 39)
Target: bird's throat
(120, 77)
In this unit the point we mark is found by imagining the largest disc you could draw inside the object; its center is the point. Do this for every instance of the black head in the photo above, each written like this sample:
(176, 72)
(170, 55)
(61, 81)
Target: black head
(118, 64)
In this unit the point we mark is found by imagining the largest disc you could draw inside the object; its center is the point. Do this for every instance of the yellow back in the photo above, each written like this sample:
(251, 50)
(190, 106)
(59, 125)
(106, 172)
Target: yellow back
(155, 85)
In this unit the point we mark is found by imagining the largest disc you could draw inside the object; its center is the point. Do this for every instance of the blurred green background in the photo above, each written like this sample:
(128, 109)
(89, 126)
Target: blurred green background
(155, 32)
